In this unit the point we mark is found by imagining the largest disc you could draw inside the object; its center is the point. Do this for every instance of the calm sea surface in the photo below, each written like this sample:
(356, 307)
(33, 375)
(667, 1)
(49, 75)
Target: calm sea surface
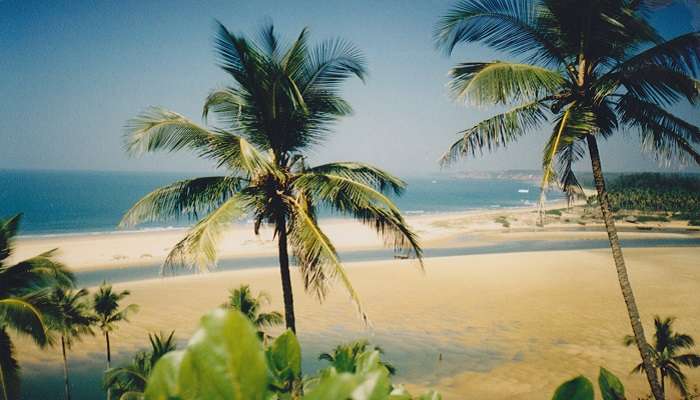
(62, 202)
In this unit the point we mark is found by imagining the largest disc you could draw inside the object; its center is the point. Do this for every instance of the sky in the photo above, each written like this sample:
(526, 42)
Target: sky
(73, 72)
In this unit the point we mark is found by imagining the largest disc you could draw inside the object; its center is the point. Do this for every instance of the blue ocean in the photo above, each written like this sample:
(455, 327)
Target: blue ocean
(69, 202)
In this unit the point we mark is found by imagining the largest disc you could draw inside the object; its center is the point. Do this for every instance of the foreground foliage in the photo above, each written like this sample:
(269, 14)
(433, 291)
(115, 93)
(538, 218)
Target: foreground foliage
(581, 388)
(226, 360)
(24, 302)
(243, 300)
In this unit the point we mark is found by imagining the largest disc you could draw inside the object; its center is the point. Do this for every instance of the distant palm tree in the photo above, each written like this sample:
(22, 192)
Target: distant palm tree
(283, 102)
(344, 357)
(72, 320)
(243, 300)
(131, 379)
(24, 289)
(596, 68)
(667, 344)
(105, 304)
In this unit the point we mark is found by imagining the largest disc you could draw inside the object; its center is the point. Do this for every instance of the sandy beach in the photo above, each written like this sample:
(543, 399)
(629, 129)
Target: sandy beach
(496, 326)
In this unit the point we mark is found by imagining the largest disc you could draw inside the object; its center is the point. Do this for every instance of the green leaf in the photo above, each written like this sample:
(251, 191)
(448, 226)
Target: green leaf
(284, 356)
(337, 386)
(610, 386)
(224, 360)
(431, 395)
(579, 388)
(163, 382)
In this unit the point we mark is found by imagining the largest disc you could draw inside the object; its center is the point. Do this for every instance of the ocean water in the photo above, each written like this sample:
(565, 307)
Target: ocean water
(68, 202)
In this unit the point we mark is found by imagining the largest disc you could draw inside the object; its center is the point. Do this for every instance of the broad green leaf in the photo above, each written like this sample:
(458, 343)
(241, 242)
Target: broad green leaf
(579, 388)
(610, 386)
(431, 395)
(163, 381)
(373, 386)
(336, 386)
(224, 360)
(284, 356)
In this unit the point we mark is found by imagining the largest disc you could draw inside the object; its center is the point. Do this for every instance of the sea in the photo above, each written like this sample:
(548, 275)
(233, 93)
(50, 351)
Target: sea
(81, 202)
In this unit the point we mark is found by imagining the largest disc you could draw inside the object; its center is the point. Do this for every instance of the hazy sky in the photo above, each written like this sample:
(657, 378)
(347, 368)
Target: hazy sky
(72, 72)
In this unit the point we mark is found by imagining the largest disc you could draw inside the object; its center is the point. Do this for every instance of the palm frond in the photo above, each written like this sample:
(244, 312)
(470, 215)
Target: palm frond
(505, 25)
(680, 54)
(663, 135)
(361, 201)
(331, 63)
(190, 198)
(658, 84)
(9, 368)
(317, 257)
(497, 131)
(198, 247)
(361, 172)
(8, 230)
(23, 316)
(689, 360)
(502, 82)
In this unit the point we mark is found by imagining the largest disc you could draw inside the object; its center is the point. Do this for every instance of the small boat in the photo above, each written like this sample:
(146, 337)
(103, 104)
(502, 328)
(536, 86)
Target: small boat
(523, 191)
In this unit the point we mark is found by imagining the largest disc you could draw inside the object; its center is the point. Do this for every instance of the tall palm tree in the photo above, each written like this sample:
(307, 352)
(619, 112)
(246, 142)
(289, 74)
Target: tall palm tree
(243, 300)
(105, 304)
(594, 68)
(24, 302)
(282, 103)
(131, 379)
(667, 344)
(72, 320)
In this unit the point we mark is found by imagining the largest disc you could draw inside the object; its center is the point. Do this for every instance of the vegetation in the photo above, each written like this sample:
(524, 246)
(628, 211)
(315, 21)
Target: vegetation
(580, 388)
(667, 344)
(225, 359)
(503, 220)
(282, 103)
(242, 299)
(345, 357)
(105, 304)
(593, 68)
(129, 381)
(72, 320)
(656, 193)
(24, 295)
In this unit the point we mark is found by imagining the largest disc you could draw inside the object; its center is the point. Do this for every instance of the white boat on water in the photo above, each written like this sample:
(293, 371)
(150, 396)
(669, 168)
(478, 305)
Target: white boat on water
(523, 190)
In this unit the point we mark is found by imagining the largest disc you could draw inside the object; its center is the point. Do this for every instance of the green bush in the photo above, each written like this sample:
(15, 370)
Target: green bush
(225, 359)
(655, 192)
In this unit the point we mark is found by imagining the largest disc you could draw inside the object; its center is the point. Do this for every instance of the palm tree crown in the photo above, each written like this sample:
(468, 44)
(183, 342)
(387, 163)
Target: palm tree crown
(283, 102)
(243, 300)
(667, 345)
(24, 305)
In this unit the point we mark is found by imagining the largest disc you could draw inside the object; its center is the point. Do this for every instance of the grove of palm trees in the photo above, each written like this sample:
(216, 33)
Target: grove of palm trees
(458, 282)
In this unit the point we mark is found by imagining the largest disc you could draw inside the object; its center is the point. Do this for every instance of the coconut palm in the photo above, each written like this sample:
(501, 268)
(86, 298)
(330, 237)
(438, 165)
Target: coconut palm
(667, 345)
(282, 103)
(593, 68)
(243, 300)
(105, 304)
(23, 302)
(72, 320)
(345, 357)
(131, 379)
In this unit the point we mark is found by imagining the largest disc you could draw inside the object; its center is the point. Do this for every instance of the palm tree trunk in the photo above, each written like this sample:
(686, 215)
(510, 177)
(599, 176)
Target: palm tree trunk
(109, 351)
(65, 367)
(625, 286)
(663, 383)
(109, 363)
(284, 272)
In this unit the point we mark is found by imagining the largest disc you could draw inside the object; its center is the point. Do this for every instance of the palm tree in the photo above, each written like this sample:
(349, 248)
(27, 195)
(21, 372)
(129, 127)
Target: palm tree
(23, 302)
(243, 300)
(282, 103)
(131, 379)
(667, 344)
(105, 304)
(595, 68)
(344, 357)
(72, 320)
